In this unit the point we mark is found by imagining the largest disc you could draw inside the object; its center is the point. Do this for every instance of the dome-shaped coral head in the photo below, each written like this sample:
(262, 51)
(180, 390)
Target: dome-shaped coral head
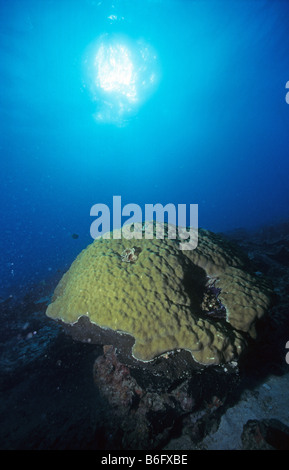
(130, 255)
(147, 298)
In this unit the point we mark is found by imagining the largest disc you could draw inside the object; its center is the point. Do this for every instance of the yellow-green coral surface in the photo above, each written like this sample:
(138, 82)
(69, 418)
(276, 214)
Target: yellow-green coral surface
(157, 298)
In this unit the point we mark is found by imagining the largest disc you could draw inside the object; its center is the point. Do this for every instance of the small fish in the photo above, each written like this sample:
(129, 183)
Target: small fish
(75, 236)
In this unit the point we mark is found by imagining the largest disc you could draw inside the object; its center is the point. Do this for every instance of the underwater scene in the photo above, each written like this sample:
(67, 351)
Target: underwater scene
(144, 275)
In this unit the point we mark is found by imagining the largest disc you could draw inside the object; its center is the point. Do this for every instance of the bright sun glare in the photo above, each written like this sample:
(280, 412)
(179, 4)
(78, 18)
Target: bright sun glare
(115, 70)
(121, 75)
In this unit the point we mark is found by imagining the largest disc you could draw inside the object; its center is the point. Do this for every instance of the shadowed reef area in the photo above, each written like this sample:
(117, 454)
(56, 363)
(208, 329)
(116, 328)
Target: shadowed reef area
(61, 393)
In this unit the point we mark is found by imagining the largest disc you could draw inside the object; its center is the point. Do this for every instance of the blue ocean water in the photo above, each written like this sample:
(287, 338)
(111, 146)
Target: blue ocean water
(204, 120)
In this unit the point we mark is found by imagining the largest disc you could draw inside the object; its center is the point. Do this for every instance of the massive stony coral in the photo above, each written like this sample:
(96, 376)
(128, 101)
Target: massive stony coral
(154, 292)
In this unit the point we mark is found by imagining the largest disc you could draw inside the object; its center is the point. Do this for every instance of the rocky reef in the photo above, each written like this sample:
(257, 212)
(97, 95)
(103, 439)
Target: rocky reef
(89, 389)
(149, 298)
(173, 325)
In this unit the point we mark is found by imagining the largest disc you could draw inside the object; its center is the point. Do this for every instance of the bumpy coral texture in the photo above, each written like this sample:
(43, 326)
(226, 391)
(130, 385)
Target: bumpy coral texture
(157, 298)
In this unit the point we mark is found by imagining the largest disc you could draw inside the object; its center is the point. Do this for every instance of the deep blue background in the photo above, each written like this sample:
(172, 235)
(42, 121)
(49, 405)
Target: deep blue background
(215, 132)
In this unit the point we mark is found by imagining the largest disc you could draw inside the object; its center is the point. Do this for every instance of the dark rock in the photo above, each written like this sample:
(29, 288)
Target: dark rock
(281, 255)
(162, 371)
(267, 434)
(141, 416)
